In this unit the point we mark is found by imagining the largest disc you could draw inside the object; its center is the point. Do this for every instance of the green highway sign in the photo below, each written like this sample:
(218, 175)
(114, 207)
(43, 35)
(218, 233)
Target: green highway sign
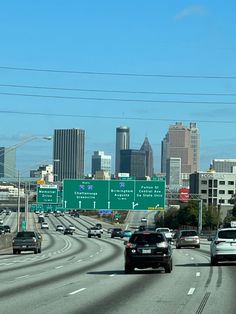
(85, 194)
(114, 194)
(47, 194)
(46, 207)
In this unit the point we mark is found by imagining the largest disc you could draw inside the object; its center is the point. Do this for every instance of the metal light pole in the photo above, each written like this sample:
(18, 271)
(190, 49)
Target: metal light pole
(18, 203)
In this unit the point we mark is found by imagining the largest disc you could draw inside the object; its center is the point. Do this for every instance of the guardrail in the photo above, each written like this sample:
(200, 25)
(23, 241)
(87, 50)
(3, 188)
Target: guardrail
(6, 240)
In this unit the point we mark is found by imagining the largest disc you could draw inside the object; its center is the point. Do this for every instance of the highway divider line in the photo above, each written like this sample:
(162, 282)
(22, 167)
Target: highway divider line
(191, 291)
(77, 291)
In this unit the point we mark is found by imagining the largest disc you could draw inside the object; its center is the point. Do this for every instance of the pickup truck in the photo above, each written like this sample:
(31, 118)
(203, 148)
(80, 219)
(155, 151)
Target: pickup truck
(27, 241)
(94, 232)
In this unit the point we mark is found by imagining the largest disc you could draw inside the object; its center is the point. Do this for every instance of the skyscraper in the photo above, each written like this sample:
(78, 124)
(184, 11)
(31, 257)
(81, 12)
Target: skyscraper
(122, 142)
(146, 147)
(133, 161)
(7, 162)
(100, 161)
(68, 154)
(182, 142)
(173, 172)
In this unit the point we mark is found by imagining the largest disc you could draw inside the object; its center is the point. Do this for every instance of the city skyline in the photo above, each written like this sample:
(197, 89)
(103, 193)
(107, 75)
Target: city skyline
(83, 68)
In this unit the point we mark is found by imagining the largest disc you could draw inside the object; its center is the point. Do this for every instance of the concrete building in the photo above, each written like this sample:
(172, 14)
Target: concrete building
(68, 154)
(101, 162)
(184, 143)
(223, 165)
(7, 162)
(133, 161)
(215, 188)
(146, 147)
(44, 172)
(173, 173)
(122, 142)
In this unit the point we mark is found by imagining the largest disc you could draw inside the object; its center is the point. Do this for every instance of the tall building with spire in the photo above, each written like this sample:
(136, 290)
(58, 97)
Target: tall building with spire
(122, 142)
(146, 147)
(68, 154)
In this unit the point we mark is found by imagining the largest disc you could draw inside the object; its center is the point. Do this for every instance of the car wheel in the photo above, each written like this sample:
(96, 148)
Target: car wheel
(35, 251)
(213, 261)
(99, 236)
(39, 250)
(197, 246)
(14, 251)
(19, 251)
(128, 269)
(178, 247)
(89, 236)
(168, 267)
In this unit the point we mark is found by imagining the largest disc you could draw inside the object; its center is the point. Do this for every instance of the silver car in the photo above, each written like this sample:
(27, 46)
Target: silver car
(223, 246)
(187, 238)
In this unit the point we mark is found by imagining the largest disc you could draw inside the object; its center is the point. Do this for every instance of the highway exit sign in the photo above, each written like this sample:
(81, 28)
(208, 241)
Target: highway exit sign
(114, 194)
(47, 194)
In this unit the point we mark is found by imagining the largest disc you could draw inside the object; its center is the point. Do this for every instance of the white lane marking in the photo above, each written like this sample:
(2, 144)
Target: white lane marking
(80, 260)
(6, 264)
(91, 256)
(186, 254)
(192, 258)
(191, 291)
(77, 291)
(25, 276)
(112, 275)
(58, 267)
(198, 274)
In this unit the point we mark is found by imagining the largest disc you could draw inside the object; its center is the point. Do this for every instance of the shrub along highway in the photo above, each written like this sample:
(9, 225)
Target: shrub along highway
(75, 274)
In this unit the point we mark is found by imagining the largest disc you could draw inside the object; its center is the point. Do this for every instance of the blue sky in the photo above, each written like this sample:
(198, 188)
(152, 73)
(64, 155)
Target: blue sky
(181, 51)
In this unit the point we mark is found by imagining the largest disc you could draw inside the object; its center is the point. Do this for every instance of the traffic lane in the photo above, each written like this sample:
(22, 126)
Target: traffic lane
(65, 248)
(45, 288)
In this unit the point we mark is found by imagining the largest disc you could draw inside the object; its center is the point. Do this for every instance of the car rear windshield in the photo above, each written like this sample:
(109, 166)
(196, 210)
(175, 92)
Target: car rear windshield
(147, 238)
(163, 230)
(25, 234)
(189, 233)
(227, 234)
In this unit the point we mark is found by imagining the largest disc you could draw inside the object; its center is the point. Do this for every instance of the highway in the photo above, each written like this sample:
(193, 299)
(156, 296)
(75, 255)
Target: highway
(76, 275)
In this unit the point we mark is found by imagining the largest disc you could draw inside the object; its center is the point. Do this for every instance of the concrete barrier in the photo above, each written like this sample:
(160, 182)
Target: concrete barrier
(6, 240)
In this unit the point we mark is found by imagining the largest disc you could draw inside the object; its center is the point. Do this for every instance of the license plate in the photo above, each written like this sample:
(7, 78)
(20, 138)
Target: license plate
(186, 239)
(24, 246)
(147, 251)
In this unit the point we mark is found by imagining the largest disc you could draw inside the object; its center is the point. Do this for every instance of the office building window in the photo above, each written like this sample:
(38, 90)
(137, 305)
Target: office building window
(222, 182)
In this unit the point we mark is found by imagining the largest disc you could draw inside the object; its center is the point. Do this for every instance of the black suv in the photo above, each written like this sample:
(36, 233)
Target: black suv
(117, 233)
(147, 249)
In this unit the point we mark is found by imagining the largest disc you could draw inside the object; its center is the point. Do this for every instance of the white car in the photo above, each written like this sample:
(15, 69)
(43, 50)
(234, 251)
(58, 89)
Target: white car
(1, 221)
(44, 225)
(60, 228)
(71, 227)
(223, 246)
(167, 232)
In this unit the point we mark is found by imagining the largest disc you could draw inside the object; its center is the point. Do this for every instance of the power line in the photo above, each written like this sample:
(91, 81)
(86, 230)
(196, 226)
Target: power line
(109, 117)
(115, 91)
(121, 99)
(119, 73)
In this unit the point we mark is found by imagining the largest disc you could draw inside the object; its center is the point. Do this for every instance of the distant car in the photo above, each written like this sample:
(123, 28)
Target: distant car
(71, 227)
(99, 226)
(94, 232)
(46, 214)
(126, 234)
(1, 221)
(167, 232)
(109, 230)
(8, 212)
(144, 219)
(116, 233)
(44, 225)
(2, 230)
(147, 249)
(41, 219)
(223, 246)
(141, 228)
(60, 228)
(7, 229)
(68, 231)
(187, 238)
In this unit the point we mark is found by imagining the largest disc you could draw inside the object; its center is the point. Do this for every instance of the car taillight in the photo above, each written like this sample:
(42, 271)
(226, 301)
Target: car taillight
(34, 239)
(182, 238)
(131, 245)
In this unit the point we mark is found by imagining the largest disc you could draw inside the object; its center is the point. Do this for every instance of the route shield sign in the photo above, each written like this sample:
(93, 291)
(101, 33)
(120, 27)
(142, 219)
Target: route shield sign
(121, 194)
(85, 194)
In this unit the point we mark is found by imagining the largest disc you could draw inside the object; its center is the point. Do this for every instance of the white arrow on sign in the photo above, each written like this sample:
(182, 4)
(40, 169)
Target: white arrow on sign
(65, 202)
(134, 204)
(157, 205)
(108, 204)
(79, 204)
(94, 204)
